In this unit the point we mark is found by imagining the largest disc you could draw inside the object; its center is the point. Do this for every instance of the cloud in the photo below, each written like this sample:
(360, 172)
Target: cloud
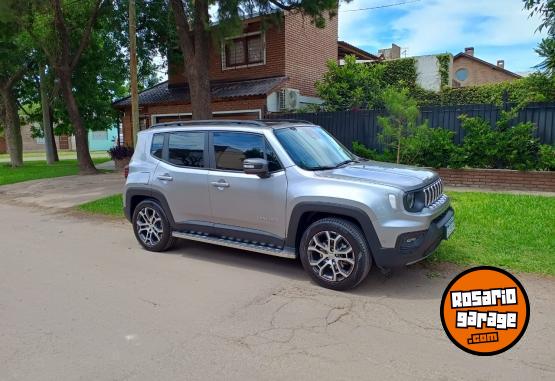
(499, 28)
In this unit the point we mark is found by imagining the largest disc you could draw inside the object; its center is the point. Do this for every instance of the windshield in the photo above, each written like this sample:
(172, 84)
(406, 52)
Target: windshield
(313, 148)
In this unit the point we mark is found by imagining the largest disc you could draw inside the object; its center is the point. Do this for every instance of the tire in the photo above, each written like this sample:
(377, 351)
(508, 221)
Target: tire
(337, 269)
(150, 215)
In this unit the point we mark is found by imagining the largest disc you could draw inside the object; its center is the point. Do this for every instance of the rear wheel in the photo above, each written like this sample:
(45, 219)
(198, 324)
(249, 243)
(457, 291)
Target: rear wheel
(151, 226)
(335, 254)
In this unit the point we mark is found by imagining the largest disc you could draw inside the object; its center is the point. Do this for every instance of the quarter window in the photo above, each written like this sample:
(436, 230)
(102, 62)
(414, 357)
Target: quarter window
(157, 147)
(186, 149)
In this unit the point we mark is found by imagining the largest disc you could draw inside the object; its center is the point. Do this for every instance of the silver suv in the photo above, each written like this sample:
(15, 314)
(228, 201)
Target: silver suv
(284, 188)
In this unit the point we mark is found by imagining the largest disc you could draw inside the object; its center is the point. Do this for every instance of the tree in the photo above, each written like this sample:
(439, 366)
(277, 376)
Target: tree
(13, 65)
(546, 48)
(194, 27)
(351, 85)
(401, 119)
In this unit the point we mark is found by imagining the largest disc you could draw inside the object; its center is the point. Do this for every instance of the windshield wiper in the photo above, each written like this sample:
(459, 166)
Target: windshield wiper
(345, 162)
(323, 168)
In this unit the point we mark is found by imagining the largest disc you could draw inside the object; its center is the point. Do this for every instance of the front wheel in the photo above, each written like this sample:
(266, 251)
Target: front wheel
(335, 253)
(151, 226)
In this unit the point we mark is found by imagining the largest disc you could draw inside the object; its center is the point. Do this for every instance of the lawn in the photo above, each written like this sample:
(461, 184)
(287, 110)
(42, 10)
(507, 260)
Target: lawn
(63, 155)
(108, 206)
(516, 232)
(33, 170)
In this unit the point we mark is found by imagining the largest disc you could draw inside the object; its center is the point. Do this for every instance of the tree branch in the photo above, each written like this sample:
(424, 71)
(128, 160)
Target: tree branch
(183, 29)
(17, 76)
(87, 34)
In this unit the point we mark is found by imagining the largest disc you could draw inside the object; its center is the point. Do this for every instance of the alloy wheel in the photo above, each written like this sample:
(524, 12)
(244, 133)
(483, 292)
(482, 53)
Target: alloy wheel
(149, 226)
(331, 256)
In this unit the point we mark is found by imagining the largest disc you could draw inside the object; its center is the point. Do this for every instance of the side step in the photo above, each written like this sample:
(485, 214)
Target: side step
(277, 252)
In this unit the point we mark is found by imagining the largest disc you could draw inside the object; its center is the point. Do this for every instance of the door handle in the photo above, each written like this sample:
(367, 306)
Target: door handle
(165, 177)
(220, 184)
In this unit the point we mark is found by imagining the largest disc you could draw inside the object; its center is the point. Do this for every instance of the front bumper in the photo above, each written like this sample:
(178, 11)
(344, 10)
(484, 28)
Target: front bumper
(415, 246)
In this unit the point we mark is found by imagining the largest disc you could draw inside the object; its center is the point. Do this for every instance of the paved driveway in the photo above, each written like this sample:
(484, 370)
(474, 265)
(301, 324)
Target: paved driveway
(80, 300)
(63, 192)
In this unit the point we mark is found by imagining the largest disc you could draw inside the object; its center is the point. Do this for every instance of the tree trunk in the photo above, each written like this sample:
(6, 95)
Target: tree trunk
(47, 127)
(85, 163)
(199, 87)
(12, 127)
(196, 54)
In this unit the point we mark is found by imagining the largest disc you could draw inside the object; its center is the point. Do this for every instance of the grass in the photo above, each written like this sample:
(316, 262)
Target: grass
(33, 170)
(516, 232)
(63, 155)
(108, 206)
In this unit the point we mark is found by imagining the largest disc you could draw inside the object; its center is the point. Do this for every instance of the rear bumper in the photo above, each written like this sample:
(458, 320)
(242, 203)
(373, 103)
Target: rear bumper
(415, 246)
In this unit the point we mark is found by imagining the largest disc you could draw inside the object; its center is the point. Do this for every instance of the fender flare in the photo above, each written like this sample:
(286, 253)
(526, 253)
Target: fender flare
(147, 193)
(332, 208)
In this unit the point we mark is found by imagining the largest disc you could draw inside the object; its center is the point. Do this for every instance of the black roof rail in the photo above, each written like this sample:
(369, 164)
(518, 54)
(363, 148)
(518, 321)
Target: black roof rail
(278, 120)
(210, 122)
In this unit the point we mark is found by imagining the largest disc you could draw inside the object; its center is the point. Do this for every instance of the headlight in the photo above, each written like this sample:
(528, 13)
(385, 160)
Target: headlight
(409, 201)
(413, 201)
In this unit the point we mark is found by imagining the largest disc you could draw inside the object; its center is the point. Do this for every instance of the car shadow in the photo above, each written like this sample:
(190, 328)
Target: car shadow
(419, 281)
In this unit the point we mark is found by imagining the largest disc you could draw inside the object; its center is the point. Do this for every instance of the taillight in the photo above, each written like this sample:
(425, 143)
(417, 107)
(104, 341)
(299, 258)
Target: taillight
(126, 171)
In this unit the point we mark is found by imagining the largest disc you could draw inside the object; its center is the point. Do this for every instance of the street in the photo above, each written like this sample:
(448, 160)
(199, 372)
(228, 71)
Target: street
(79, 299)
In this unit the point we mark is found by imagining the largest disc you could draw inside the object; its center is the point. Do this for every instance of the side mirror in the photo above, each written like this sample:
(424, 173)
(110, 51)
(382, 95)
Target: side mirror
(257, 167)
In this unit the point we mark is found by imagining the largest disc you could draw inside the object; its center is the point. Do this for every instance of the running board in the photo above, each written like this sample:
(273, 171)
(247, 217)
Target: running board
(277, 252)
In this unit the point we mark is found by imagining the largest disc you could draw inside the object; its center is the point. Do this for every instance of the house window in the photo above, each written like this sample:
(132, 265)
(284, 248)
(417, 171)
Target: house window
(244, 51)
(461, 74)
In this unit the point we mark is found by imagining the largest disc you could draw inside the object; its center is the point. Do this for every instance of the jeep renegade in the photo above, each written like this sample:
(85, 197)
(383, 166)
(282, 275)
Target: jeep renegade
(284, 188)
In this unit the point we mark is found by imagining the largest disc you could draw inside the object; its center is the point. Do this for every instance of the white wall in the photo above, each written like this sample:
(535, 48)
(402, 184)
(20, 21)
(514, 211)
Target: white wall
(428, 74)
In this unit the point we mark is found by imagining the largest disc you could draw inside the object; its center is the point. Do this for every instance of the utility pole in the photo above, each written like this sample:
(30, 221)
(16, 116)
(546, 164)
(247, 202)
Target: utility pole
(133, 70)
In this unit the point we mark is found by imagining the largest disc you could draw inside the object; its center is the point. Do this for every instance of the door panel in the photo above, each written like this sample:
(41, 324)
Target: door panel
(182, 177)
(247, 201)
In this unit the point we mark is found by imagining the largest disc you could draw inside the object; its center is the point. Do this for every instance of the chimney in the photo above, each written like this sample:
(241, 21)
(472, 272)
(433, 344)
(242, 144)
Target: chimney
(469, 51)
(501, 64)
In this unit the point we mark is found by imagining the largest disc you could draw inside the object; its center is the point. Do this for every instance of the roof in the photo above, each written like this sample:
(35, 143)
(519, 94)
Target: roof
(162, 93)
(344, 48)
(495, 67)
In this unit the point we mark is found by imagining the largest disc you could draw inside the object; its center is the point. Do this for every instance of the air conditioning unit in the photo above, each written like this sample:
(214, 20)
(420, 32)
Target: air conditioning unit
(288, 99)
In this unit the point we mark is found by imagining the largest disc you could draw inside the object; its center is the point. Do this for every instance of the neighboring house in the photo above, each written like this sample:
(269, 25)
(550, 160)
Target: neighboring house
(98, 140)
(344, 49)
(470, 71)
(261, 71)
(102, 140)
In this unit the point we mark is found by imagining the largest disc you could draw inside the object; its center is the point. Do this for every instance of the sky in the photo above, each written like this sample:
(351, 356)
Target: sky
(497, 29)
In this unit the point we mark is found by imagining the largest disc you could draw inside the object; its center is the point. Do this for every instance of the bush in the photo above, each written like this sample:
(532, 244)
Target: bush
(430, 147)
(361, 150)
(506, 146)
(547, 158)
(480, 143)
(120, 152)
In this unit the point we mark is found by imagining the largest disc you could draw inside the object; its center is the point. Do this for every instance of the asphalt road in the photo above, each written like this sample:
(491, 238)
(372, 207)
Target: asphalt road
(80, 300)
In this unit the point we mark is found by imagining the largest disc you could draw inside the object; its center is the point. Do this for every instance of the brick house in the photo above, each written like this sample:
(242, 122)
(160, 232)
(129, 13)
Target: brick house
(470, 70)
(264, 70)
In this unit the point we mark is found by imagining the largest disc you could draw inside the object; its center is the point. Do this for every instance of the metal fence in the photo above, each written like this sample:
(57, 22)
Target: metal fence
(362, 126)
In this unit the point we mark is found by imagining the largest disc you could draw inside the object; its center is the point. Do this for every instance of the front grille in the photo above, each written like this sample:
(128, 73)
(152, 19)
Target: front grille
(433, 192)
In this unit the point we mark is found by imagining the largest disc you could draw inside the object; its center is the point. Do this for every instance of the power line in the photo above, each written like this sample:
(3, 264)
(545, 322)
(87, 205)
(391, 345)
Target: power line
(381, 6)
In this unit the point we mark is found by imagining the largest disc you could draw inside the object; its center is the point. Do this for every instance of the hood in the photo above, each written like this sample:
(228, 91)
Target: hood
(400, 176)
